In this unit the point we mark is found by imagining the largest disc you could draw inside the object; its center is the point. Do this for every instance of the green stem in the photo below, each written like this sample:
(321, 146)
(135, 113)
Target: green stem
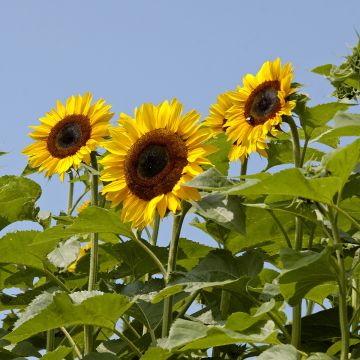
(244, 165)
(171, 266)
(128, 324)
(71, 192)
(71, 342)
(152, 255)
(296, 140)
(77, 201)
(187, 304)
(306, 142)
(342, 288)
(127, 341)
(50, 340)
(56, 280)
(88, 329)
(155, 232)
(296, 312)
(310, 307)
(355, 302)
(279, 224)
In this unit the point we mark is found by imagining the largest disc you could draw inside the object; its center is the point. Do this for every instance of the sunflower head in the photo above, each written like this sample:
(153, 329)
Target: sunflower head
(216, 120)
(83, 206)
(258, 108)
(83, 250)
(68, 134)
(150, 157)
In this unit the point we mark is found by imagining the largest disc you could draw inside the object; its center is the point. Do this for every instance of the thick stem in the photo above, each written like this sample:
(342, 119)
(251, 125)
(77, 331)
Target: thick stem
(244, 165)
(50, 340)
(88, 330)
(155, 231)
(296, 313)
(342, 289)
(71, 193)
(171, 266)
(296, 140)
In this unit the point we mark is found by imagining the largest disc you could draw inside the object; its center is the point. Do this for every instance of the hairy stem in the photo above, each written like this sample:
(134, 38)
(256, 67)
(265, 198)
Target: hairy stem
(342, 288)
(88, 329)
(71, 342)
(71, 193)
(171, 266)
(296, 312)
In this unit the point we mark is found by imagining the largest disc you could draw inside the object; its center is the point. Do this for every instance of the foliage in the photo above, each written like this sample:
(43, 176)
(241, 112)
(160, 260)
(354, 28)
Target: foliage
(282, 238)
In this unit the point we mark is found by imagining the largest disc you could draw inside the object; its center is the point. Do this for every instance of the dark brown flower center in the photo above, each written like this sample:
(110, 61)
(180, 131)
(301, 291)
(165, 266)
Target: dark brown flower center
(154, 164)
(263, 103)
(68, 136)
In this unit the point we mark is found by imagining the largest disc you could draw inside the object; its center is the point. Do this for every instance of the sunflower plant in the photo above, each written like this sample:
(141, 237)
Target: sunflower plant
(272, 270)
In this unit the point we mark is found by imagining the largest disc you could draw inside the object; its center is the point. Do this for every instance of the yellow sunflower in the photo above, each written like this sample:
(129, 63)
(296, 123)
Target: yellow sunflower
(151, 156)
(258, 108)
(83, 206)
(68, 134)
(216, 120)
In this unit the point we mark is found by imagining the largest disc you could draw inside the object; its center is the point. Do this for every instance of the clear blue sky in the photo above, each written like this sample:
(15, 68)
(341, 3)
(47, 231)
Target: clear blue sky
(130, 52)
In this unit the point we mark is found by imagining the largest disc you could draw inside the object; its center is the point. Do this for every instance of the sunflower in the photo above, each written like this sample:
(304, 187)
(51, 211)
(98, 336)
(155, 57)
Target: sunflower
(216, 120)
(151, 156)
(83, 206)
(258, 108)
(68, 134)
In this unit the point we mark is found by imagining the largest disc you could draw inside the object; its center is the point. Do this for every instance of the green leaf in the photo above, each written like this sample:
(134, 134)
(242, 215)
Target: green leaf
(156, 353)
(345, 125)
(225, 210)
(92, 219)
(210, 180)
(282, 153)
(49, 311)
(189, 335)
(280, 352)
(323, 69)
(320, 292)
(190, 253)
(65, 253)
(58, 354)
(220, 158)
(341, 162)
(100, 356)
(17, 199)
(218, 269)
(290, 182)
(302, 271)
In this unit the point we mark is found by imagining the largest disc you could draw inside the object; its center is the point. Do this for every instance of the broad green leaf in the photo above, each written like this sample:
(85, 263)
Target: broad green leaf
(320, 356)
(341, 162)
(65, 253)
(345, 125)
(218, 268)
(58, 354)
(18, 248)
(323, 69)
(290, 182)
(189, 335)
(210, 180)
(92, 219)
(100, 356)
(17, 199)
(320, 292)
(336, 348)
(190, 252)
(220, 158)
(282, 153)
(280, 352)
(225, 210)
(89, 308)
(156, 353)
(302, 271)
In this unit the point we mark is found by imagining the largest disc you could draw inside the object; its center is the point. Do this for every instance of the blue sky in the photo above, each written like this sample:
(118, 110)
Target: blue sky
(130, 52)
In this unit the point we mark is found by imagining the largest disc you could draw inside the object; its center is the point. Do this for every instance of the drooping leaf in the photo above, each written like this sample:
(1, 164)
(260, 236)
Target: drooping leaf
(291, 182)
(186, 335)
(225, 210)
(58, 354)
(280, 352)
(156, 353)
(90, 308)
(303, 270)
(18, 196)
(65, 253)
